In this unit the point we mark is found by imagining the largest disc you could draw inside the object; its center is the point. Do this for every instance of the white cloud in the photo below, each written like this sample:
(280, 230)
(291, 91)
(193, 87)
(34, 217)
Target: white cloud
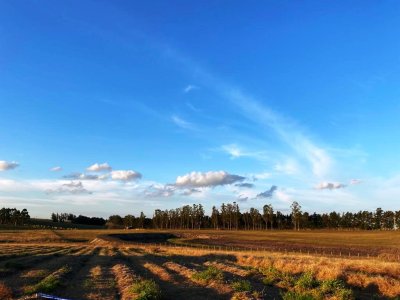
(189, 88)
(182, 123)
(56, 169)
(8, 165)
(355, 181)
(99, 167)
(125, 175)
(207, 179)
(330, 185)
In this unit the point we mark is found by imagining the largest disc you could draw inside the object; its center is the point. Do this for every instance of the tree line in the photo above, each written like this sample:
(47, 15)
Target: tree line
(229, 217)
(71, 218)
(114, 221)
(13, 216)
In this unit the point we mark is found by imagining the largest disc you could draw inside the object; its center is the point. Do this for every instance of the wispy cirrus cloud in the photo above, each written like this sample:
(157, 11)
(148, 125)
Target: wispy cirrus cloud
(8, 165)
(316, 157)
(189, 88)
(178, 121)
(235, 151)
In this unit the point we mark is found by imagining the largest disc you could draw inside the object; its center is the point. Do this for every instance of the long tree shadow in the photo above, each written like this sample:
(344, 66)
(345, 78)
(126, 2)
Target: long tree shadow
(181, 286)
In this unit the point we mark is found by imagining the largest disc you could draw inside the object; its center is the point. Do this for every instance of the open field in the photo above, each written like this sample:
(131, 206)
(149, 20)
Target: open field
(89, 264)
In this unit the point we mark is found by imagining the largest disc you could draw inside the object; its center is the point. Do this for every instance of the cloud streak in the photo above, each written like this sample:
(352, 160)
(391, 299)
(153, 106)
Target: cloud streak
(268, 193)
(178, 121)
(56, 169)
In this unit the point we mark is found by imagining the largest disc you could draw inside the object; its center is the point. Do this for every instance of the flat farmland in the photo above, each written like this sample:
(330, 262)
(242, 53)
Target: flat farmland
(130, 264)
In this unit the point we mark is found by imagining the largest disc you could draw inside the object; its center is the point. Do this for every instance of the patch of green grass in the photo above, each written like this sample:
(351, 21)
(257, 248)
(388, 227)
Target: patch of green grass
(145, 290)
(241, 286)
(49, 284)
(209, 274)
(306, 281)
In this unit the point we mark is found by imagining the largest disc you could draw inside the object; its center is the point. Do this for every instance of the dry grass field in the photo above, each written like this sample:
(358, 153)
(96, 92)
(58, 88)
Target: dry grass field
(87, 264)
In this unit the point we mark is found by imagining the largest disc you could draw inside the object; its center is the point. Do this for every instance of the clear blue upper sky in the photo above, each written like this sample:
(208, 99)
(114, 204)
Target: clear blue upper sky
(182, 102)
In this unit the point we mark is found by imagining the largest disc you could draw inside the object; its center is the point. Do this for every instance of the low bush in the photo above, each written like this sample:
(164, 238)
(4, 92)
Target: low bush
(145, 290)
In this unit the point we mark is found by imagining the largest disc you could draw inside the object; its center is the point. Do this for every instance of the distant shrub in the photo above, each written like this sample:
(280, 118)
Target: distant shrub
(145, 290)
(210, 274)
(241, 286)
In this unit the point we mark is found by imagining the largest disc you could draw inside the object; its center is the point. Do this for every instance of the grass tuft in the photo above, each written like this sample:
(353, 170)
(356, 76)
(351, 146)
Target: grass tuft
(209, 274)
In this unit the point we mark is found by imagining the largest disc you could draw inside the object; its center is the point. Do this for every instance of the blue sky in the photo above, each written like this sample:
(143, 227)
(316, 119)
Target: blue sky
(181, 102)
